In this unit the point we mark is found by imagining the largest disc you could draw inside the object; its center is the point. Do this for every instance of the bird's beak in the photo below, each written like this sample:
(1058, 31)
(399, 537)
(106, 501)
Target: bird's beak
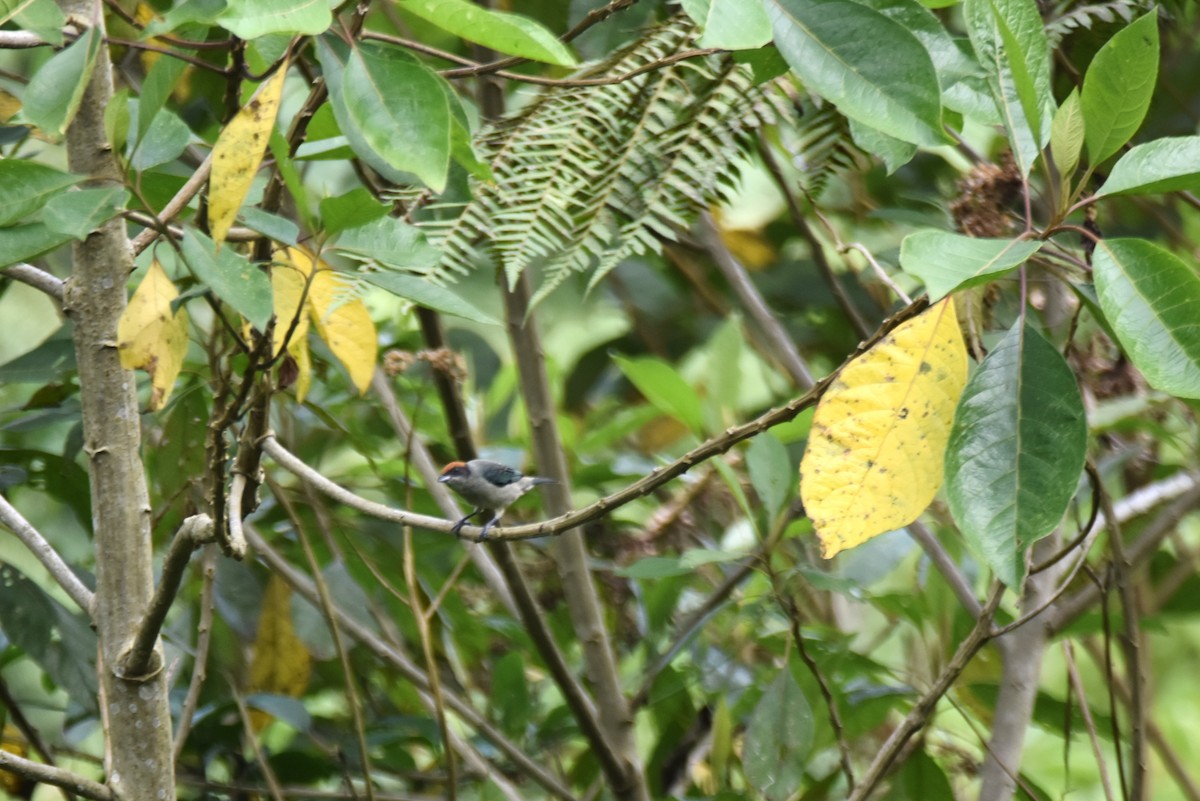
(443, 479)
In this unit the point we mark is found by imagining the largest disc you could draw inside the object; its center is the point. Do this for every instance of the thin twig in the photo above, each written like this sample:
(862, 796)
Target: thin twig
(37, 278)
(1131, 642)
(175, 205)
(140, 659)
(45, 553)
(16, 717)
(260, 756)
(203, 641)
(408, 669)
(916, 718)
(880, 273)
(660, 476)
(1085, 709)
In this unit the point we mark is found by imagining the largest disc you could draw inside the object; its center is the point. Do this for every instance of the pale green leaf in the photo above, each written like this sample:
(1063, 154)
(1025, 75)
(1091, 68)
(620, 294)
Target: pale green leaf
(512, 34)
(1118, 86)
(946, 261)
(1170, 164)
(249, 19)
(52, 98)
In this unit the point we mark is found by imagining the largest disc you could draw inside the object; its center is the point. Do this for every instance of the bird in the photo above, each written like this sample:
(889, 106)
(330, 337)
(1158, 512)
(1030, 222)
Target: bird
(487, 485)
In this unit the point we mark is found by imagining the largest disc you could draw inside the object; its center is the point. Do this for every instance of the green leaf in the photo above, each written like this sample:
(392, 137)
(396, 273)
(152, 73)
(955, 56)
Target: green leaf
(778, 739)
(42, 17)
(1170, 164)
(79, 213)
(23, 242)
(893, 152)
(1010, 42)
(61, 643)
(508, 33)
(53, 95)
(248, 19)
(280, 229)
(231, 277)
(425, 293)
(1016, 450)
(834, 48)
(401, 111)
(355, 208)
(25, 186)
(510, 692)
(771, 472)
(1150, 298)
(920, 778)
(947, 262)
(166, 139)
(665, 389)
(1118, 87)
(730, 24)
(189, 11)
(156, 89)
(390, 242)
(1066, 135)
(117, 120)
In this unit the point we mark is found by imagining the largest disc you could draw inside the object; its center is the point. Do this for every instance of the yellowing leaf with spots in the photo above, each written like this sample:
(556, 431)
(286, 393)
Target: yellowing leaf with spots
(874, 457)
(281, 664)
(150, 337)
(341, 319)
(239, 152)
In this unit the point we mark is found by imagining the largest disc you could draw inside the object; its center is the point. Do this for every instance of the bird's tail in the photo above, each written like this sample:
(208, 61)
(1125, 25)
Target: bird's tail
(542, 480)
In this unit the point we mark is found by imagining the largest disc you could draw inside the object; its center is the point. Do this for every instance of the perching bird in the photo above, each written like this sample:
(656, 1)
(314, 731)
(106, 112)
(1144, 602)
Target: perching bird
(487, 485)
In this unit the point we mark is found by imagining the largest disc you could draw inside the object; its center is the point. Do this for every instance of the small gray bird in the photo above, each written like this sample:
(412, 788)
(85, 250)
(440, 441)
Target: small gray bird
(487, 486)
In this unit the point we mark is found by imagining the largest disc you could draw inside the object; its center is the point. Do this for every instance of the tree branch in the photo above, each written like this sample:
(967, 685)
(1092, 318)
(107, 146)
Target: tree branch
(58, 777)
(175, 205)
(45, 553)
(37, 278)
(140, 659)
(200, 662)
(916, 718)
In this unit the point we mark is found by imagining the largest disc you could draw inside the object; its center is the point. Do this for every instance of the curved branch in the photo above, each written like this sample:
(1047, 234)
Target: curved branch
(58, 777)
(45, 553)
(37, 278)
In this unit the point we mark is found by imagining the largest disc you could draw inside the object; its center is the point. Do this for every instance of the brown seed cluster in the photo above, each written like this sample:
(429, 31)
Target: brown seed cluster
(985, 197)
(443, 360)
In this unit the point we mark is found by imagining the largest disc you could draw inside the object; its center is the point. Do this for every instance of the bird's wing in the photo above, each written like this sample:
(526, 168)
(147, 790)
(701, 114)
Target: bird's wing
(501, 475)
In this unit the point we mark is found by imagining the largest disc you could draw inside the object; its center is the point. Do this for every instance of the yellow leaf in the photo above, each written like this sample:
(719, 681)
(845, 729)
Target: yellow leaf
(13, 785)
(150, 337)
(299, 351)
(288, 283)
(281, 664)
(342, 320)
(239, 152)
(874, 458)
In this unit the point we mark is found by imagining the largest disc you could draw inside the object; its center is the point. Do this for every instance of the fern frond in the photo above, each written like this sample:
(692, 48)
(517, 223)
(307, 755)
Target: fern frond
(586, 176)
(1087, 15)
(821, 146)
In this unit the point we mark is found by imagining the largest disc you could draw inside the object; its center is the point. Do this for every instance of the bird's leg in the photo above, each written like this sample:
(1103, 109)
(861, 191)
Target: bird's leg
(458, 526)
(488, 526)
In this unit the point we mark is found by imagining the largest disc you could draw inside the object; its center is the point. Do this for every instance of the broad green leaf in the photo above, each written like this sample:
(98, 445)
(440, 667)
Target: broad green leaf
(1150, 298)
(42, 17)
(53, 95)
(730, 24)
(425, 293)
(61, 643)
(25, 186)
(156, 89)
(778, 739)
(1118, 87)
(665, 389)
(1066, 136)
(79, 213)
(874, 456)
(152, 337)
(1016, 451)
(893, 152)
(834, 48)
(920, 778)
(278, 228)
(770, 472)
(239, 151)
(23, 242)
(189, 11)
(1010, 42)
(117, 120)
(513, 34)
(510, 694)
(390, 242)
(232, 278)
(947, 262)
(166, 139)
(354, 208)
(399, 108)
(1170, 164)
(249, 19)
